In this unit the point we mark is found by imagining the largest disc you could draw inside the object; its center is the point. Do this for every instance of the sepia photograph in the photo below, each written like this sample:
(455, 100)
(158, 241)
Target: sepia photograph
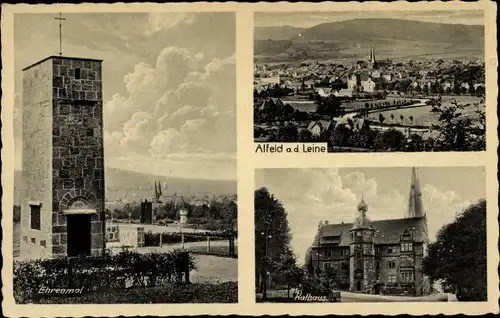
(397, 234)
(371, 81)
(125, 158)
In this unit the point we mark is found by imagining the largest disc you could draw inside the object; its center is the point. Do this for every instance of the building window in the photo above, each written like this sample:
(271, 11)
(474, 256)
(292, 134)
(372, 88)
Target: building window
(327, 266)
(391, 264)
(25, 239)
(344, 266)
(35, 217)
(358, 254)
(90, 132)
(33, 240)
(391, 279)
(407, 276)
(345, 252)
(77, 73)
(378, 264)
(406, 247)
(43, 243)
(389, 250)
(377, 251)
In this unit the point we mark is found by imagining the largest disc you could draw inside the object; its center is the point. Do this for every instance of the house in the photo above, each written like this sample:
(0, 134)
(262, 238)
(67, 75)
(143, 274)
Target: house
(353, 81)
(320, 128)
(387, 77)
(344, 92)
(324, 91)
(447, 85)
(369, 85)
(376, 74)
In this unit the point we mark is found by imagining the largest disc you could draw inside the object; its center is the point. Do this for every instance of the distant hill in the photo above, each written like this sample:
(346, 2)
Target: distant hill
(394, 29)
(391, 38)
(276, 33)
(122, 184)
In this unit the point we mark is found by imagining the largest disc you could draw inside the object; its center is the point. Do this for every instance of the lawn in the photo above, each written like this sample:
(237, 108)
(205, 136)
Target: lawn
(214, 269)
(422, 116)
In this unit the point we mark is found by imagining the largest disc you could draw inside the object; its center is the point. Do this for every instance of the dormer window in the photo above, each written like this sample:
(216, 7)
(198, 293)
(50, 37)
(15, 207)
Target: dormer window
(407, 247)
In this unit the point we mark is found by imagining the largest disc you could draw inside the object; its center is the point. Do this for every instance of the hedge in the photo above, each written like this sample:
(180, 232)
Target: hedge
(187, 293)
(126, 269)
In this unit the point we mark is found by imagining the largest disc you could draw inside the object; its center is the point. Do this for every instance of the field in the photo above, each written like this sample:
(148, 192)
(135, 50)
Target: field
(422, 116)
(215, 269)
(341, 51)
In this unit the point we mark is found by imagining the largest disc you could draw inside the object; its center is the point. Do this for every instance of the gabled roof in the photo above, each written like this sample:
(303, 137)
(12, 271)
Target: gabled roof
(386, 231)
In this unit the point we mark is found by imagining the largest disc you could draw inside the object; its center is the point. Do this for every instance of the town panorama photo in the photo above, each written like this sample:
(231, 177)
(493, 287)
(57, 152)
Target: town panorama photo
(371, 81)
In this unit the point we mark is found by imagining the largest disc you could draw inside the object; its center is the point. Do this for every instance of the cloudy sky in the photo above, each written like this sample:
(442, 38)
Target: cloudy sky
(312, 195)
(168, 85)
(309, 19)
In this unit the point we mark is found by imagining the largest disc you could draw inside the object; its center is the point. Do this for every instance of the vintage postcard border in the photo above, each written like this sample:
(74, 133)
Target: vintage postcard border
(248, 161)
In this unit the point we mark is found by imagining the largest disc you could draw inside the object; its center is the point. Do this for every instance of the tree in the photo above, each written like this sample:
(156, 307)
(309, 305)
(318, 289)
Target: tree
(391, 140)
(272, 234)
(287, 271)
(425, 90)
(340, 136)
(330, 105)
(381, 118)
(415, 143)
(305, 135)
(392, 117)
(402, 118)
(288, 132)
(457, 132)
(458, 257)
(471, 89)
(480, 91)
(411, 118)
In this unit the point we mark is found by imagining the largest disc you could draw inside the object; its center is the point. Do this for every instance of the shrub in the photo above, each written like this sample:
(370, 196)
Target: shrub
(125, 269)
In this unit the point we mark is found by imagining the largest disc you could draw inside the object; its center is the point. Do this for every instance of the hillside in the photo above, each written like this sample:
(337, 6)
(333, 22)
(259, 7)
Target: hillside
(394, 29)
(391, 38)
(122, 184)
(276, 33)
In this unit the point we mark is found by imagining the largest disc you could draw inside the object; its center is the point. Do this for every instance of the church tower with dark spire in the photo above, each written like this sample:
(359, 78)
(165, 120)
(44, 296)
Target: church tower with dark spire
(415, 208)
(372, 62)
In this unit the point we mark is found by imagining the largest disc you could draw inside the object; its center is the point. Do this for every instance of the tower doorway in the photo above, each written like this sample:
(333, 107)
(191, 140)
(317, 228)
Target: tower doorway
(358, 285)
(78, 229)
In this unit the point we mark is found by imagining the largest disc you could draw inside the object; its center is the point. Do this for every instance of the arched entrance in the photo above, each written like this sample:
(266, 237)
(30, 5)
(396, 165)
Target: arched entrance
(358, 285)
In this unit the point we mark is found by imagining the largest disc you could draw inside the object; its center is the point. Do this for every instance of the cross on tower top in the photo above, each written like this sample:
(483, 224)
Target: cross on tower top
(60, 18)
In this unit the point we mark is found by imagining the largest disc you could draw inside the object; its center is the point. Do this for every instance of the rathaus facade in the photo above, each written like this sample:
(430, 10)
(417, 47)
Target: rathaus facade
(375, 256)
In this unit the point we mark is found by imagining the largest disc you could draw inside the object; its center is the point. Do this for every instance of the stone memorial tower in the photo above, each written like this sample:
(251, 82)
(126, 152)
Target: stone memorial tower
(63, 158)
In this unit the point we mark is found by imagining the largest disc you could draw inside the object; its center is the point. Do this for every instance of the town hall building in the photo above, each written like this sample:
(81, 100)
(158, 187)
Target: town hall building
(375, 256)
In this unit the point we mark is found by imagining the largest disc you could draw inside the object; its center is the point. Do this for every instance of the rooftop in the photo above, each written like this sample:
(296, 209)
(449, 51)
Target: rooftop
(386, 231)
(60, 57)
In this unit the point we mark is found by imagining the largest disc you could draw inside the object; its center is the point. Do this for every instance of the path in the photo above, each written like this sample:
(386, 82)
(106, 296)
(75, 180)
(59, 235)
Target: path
(356, 297)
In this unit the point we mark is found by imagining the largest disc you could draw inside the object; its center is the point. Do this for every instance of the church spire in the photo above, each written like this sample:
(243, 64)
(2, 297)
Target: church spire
(415, 208)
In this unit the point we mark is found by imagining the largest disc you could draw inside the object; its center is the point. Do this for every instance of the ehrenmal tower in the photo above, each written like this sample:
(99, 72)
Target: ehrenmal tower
(63, 158)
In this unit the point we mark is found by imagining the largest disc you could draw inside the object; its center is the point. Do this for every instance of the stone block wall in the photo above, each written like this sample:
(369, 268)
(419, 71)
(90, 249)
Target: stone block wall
(369, 269)
(78, 151)
(37, 159)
